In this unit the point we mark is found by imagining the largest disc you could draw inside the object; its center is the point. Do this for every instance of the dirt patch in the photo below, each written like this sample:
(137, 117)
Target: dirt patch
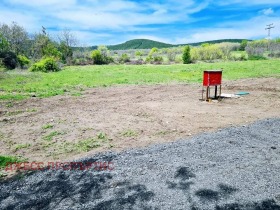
(120, 117)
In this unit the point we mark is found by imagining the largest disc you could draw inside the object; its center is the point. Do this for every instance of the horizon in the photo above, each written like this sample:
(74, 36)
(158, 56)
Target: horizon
(96, 22)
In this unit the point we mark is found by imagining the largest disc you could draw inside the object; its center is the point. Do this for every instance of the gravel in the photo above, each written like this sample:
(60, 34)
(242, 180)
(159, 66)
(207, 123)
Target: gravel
(233, 168)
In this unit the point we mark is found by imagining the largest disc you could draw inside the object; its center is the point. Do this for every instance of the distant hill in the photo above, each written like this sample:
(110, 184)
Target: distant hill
(149, 44)
(219, 41)
(139, 44)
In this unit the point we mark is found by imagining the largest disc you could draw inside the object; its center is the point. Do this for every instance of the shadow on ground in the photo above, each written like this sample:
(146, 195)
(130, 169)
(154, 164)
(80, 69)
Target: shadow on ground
(73, 189)
(185, 178)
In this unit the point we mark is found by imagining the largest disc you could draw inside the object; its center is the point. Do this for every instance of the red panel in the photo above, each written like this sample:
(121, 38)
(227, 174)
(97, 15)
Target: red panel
(211, 78)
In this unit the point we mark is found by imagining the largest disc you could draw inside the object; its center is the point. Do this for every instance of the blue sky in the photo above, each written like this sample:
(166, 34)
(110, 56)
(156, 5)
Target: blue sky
(105, 22)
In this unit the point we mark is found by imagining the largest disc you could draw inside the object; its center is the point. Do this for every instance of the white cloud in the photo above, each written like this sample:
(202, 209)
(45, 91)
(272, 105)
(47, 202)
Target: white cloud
(268, 11)
(251, 2)
(23, 19)
(250, 29)
(44, 3)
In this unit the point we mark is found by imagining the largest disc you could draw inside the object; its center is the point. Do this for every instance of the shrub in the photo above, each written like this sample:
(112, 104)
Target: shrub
(138, 53)
(186, 55)
(124, 58)
(97, 57)
(171, 54)
(243, 45)
(154, 59)
(45, 65)
(100, 58)
(158, 60)
(23, 60)
(9, 59)
(153, 50)
(207, 53)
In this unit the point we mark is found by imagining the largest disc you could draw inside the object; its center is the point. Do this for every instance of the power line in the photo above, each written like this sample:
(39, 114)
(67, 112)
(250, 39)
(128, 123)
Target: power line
(269, 27)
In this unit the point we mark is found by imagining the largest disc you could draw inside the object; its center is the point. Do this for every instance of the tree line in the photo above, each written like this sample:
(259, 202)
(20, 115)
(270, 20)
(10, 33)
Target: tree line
(19, 48)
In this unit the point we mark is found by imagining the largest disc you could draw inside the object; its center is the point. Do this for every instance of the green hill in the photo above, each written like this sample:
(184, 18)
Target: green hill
(219, 41)
(139, 44)
(149, 44)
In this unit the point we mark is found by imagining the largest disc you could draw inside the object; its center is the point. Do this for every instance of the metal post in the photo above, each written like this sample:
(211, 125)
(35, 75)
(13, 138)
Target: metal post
(216, 89)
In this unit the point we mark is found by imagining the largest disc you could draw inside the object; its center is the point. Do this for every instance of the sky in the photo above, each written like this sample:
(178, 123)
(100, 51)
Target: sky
(108, 22)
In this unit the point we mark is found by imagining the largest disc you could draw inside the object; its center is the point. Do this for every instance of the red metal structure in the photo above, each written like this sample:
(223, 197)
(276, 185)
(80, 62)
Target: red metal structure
(212, 78)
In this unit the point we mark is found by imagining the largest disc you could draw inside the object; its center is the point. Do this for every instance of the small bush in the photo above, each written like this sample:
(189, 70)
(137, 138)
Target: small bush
(100, 58)
(45, 65)
(154, 59)
(23, 61)
(124, 58)
(9, 59)
(158, 60)
(149, 59)
(97, 57)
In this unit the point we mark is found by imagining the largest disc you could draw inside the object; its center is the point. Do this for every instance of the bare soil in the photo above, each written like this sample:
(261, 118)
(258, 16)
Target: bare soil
(122, 117)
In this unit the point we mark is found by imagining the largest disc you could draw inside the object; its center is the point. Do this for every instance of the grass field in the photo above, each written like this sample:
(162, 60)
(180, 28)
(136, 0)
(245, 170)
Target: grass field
(73, 80)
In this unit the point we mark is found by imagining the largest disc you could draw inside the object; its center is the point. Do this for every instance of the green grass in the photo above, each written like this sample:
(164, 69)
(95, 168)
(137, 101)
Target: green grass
(17, 147)
(50, 136)
(86, 144)
(74, 79)
(47, 126)
(129, 133)
(4, 160)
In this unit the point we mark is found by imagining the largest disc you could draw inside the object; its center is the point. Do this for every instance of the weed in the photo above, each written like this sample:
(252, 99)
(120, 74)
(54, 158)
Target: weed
(102, 136)
(47, 126)
(76, 94)
(163, 133)
(10, 104)
(17, 147)
(129, 133)
(87, 144)
(31, 110)
(4, 160)
(50, 136)
(14, 113)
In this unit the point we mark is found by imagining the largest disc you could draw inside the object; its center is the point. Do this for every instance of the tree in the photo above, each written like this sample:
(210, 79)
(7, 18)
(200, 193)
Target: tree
(186, 55)
(67, 41)
(16, 36)
(243, 45)
(43, 46)
(4, 44)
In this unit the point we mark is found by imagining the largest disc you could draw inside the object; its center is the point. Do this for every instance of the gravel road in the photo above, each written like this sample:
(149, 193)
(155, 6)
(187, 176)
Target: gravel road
(233, 168)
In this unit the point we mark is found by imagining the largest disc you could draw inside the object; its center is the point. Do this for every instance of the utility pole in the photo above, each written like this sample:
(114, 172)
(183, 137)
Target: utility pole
(269, 27)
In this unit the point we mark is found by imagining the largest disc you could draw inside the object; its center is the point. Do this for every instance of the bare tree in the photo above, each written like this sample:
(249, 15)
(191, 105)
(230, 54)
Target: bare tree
(68, 38)
(67, 41)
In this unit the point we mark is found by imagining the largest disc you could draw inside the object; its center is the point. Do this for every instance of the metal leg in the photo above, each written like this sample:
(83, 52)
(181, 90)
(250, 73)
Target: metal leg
(216, 88)
(207, 92)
